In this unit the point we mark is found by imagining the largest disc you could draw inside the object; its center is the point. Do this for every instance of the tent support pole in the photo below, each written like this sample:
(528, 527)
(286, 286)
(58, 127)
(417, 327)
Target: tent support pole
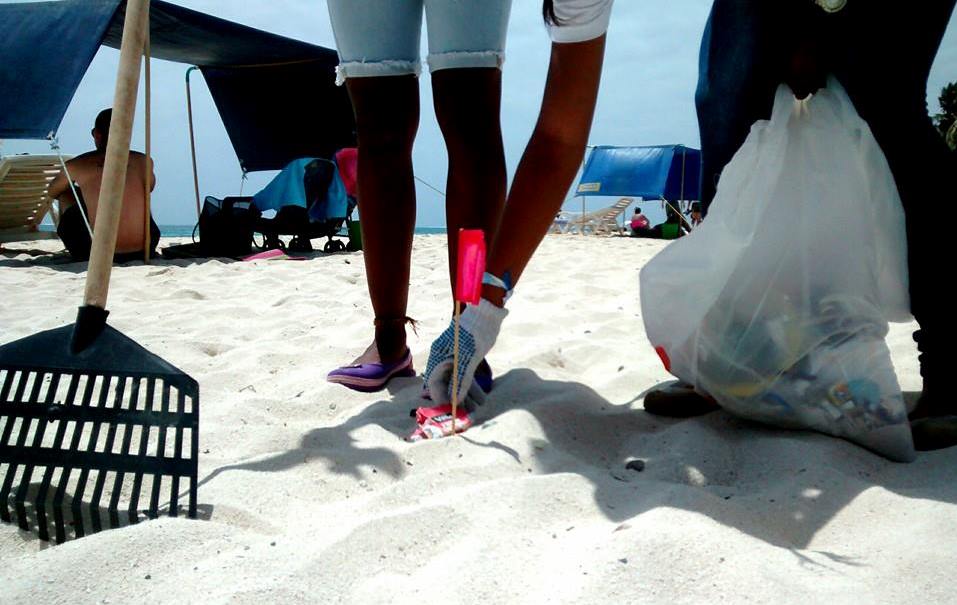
(581, 228)
(147, 244)
(55, 146)
(192, 139)
(684, 156)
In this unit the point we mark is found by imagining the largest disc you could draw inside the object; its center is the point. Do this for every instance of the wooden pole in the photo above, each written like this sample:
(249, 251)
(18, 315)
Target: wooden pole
(117, 154)
(455, 364)
(147, 236)
(581, 226)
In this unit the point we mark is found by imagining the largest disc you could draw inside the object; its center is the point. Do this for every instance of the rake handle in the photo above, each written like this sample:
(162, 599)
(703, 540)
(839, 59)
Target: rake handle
(135, 26)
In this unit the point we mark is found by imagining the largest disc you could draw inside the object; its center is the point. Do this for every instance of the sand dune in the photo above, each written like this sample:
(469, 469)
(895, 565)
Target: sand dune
(310, 494)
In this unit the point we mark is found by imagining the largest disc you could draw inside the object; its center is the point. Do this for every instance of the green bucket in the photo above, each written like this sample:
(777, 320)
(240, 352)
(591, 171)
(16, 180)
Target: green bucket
(355, 236)
(669, 231)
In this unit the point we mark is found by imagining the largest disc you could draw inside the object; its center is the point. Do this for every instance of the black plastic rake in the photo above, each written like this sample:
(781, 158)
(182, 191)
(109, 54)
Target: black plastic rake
(83, 446)
(90, 421)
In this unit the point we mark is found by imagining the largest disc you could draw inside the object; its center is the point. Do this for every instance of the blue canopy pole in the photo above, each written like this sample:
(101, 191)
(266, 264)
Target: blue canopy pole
(581, 228)
(684, 156)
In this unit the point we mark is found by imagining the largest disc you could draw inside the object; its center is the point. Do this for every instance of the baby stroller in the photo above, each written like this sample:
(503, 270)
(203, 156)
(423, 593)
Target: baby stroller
(309, 200)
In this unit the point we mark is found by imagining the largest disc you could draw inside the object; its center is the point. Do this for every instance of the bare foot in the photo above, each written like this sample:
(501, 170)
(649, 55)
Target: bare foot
(370, 355)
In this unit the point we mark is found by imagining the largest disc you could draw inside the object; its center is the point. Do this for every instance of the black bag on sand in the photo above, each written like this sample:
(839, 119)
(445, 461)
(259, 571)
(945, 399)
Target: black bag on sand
(226, 226)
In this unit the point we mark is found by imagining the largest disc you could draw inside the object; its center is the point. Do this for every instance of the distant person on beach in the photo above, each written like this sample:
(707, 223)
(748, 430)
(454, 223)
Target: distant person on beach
(750, 47)
(86, 170)
(696, 215)
(379, 62)
(547, 168)
(640, 224)
(671, 228)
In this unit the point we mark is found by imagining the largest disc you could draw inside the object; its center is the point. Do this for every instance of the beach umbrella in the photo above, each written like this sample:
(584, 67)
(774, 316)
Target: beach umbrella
(84, 409)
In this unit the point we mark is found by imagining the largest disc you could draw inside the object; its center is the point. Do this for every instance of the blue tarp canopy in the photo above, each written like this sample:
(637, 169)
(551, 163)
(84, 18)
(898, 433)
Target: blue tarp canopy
(671, 172)
(277, 96)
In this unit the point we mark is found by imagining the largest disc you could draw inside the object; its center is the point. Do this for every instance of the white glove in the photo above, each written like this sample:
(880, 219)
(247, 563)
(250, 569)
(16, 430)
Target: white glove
(478, 328)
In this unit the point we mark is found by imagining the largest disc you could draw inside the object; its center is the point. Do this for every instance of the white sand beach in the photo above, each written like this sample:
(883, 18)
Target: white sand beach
(309, 493)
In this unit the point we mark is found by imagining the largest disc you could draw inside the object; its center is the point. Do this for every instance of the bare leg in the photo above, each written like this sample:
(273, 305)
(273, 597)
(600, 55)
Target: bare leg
(551, 158)
(555, 150)
(387, 117)
(467, 105)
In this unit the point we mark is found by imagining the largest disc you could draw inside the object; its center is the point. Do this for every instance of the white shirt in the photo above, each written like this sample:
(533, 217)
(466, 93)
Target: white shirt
(580, 20)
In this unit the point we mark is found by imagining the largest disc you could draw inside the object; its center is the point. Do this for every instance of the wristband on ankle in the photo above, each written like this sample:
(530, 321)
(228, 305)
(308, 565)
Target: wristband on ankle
(505, 283)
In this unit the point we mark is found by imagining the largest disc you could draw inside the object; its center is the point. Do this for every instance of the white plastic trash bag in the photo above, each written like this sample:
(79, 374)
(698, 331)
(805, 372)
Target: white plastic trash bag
(777, 305)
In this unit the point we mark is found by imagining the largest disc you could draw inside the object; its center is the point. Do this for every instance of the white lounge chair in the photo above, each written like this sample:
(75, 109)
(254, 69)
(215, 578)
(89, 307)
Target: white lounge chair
(24, 182)
(599, 222)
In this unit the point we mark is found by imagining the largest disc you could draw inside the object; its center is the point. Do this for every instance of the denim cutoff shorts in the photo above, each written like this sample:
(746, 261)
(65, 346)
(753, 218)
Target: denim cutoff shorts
(381, 37)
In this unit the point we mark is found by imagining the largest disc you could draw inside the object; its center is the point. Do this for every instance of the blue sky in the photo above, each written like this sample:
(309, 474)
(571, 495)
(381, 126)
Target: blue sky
(647, 95)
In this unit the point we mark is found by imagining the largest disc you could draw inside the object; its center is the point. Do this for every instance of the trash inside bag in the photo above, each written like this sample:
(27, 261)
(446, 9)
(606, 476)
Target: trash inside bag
(777, 305)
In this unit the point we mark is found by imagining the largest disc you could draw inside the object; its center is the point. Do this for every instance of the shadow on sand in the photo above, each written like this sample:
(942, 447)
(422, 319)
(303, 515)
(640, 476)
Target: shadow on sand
(781, 487)
(12, 258)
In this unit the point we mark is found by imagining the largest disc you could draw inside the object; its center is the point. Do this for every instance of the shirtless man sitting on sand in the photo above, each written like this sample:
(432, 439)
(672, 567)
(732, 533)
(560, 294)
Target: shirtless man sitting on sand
(86, 171)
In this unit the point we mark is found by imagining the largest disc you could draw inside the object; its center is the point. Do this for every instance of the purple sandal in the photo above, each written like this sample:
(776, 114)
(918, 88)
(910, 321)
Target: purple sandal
(371, 377)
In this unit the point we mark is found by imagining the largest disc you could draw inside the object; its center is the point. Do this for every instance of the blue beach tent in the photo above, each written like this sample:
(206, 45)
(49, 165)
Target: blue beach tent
(277, 96)
(665, 172)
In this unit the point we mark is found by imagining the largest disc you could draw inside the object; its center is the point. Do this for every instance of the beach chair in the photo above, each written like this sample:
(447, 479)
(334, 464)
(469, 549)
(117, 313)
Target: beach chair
(599, 222)
(24, 182)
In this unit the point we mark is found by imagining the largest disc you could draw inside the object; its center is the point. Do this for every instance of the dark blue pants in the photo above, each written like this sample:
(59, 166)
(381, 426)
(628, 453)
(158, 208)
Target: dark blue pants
(881, 52)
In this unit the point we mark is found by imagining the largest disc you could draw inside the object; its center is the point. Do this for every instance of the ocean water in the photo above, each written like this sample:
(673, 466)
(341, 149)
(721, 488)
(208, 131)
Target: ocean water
(187, 230)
